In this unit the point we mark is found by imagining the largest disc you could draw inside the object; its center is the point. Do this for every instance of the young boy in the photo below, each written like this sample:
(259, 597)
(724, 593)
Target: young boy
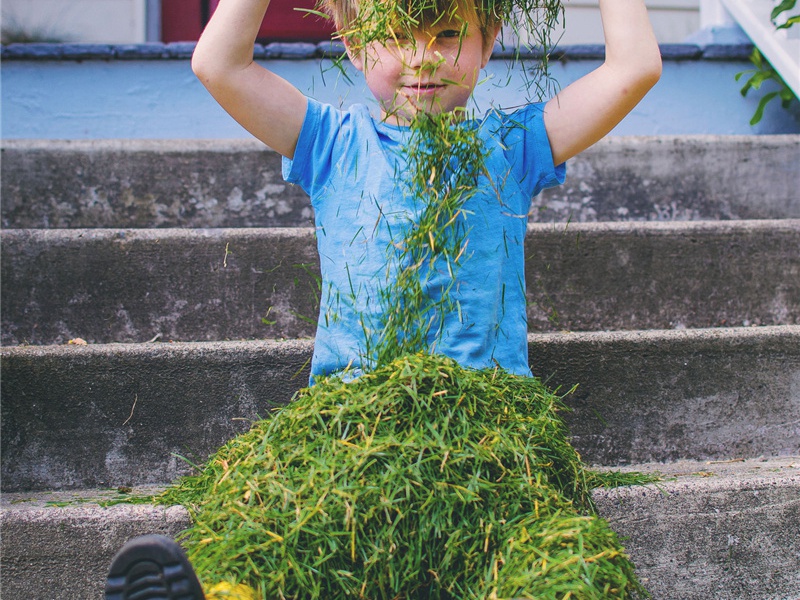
(349, 161)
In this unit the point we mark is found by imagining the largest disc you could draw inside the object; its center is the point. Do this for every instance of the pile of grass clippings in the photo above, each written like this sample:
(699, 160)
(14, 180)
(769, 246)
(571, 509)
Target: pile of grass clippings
(421, 479)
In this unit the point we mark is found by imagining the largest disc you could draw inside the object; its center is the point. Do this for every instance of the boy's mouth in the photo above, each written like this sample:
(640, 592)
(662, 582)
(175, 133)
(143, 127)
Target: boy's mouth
(422, 89)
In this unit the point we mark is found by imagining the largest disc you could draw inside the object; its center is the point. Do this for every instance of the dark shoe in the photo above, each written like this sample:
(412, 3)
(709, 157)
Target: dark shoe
(152, 567)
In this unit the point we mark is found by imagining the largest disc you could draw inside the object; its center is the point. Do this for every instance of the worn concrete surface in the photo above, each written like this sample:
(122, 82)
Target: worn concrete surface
(726, 531)
(678, 178)
(667, 395)
(147, 183)
(184, 285)
(224, 284)
(237, 183)
(59, 546)
(132, 285)
(110, 415)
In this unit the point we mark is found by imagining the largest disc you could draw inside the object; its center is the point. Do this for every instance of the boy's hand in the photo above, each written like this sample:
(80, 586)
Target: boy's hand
(265, 104)
(585, 111)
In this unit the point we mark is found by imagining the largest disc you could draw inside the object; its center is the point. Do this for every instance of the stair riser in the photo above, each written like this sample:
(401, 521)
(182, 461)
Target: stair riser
(727, 537)
(203, 183)
(76, 417)
(129, 286)
(727, 540)
(63, 553)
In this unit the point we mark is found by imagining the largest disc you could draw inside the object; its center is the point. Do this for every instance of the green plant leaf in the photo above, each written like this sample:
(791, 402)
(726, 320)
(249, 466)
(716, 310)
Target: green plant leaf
(757, 58)
(782, 7)
(759, 114)
(789, 22)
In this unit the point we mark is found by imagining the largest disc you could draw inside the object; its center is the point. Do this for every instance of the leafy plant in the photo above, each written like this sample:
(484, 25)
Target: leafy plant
(784, 6)
(765, 71)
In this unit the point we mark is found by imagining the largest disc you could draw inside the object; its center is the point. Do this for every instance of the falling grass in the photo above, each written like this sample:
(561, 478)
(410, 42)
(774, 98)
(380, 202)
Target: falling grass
(368, 21)
(421, 479)
(445, 157)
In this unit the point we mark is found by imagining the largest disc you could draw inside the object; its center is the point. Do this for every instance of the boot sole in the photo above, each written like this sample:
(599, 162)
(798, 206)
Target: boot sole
(152, 567)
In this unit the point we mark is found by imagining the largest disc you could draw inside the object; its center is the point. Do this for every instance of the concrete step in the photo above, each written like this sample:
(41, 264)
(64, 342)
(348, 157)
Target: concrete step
(124, 414)
(726, 530)
(237, 183)
(722, 530)
(113, 414)
(224, 284)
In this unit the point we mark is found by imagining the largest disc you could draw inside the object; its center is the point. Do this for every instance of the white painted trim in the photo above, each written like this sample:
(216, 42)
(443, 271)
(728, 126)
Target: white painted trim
(80, 21)
(781, 50)
(152, 17)
(651, 4)
(714, 14)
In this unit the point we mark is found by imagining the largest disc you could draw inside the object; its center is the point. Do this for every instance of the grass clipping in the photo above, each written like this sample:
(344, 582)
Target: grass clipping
(421, 479)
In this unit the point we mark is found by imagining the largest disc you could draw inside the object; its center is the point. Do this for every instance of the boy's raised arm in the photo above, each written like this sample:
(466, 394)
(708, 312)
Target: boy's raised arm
(265, 104)
(586, 110)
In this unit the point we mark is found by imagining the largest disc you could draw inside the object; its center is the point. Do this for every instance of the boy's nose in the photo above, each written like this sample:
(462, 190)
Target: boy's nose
(420, 52)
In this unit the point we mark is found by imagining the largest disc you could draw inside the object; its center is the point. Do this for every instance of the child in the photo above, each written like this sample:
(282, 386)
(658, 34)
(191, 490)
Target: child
(349, 161)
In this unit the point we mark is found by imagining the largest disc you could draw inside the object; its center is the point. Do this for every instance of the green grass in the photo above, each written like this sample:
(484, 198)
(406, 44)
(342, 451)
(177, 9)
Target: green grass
(421, 479)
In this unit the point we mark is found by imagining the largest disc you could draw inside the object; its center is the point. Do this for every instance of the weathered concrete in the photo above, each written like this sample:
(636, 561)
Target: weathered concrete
(678, 178)
(98, 416)
(62, 552)
(109, 415)
(667, 395)
(180, 284)
(721, 531)
(147, 183)
(204, 285)
(626, 276)
(237, 183)
(741, 521)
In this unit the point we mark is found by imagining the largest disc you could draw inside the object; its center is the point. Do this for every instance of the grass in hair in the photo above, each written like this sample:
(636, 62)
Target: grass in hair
(420, 479)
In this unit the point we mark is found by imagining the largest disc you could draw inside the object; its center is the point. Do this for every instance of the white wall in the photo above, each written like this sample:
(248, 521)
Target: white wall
(124, 21)
(91, 21)
(673, 21)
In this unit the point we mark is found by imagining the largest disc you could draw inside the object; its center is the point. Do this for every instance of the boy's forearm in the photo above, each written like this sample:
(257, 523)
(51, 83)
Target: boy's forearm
(227, 41)
(586, 110)
(266, 105)
(630, 42)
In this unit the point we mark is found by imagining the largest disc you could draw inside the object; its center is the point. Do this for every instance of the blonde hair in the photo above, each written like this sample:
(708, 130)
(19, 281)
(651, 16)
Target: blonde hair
(373, 19)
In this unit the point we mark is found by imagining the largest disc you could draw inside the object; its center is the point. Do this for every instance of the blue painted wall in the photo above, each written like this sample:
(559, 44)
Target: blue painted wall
(55, 92)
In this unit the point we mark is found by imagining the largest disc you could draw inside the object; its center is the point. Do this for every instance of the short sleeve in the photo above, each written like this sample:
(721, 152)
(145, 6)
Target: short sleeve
(313, 156)
(527, 148)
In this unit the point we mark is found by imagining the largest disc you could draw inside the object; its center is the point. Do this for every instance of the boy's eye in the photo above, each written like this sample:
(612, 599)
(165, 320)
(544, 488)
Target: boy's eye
(398, 40)
(449, 33)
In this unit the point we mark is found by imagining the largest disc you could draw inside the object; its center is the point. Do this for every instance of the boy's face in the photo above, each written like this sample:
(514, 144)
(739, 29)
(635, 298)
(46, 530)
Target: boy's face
(434, 70)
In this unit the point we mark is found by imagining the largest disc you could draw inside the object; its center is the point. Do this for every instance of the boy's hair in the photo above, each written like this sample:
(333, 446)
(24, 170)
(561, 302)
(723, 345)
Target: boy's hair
(354, 18)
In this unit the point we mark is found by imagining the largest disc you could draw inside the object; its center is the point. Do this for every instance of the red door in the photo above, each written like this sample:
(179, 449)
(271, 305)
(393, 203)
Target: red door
(183, 20)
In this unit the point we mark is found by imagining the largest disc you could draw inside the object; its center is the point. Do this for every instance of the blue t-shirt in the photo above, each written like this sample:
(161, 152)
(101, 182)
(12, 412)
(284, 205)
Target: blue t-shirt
(347, 162)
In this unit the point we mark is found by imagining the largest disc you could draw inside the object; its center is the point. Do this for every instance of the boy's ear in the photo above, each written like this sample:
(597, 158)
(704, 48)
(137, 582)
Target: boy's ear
(488, 43)
(356, 55)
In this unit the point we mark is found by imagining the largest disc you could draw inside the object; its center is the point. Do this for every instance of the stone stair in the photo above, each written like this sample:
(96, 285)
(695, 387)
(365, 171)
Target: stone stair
(663, 279)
